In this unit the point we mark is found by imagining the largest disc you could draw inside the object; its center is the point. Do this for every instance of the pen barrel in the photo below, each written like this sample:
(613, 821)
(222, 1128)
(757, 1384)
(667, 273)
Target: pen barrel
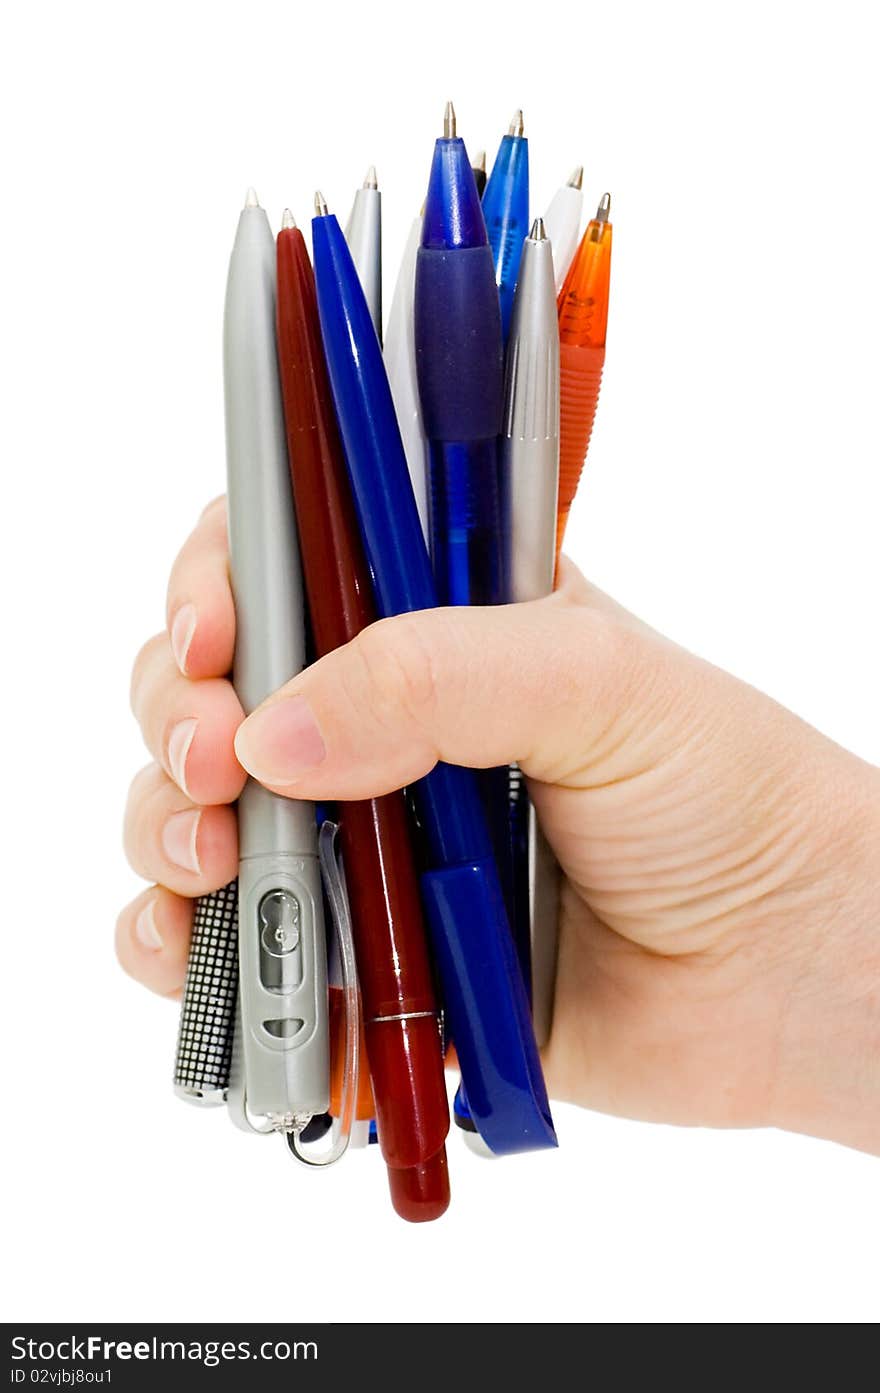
(562, 223)
(531, 468)
(506, 210)
(207, 1009)
(283, 994)
(406, 1065)
(363, 233)
(400, 365)
(466, 523)
(580, 379)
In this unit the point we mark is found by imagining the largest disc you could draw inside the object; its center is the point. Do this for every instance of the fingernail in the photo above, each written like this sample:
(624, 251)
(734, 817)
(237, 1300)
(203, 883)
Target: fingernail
(145, 930)
(280, 742)
(179, 839)
(179, 741)
(182, 630)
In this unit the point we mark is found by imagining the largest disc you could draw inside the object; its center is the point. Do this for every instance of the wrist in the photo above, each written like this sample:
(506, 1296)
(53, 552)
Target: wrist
(828, 1077)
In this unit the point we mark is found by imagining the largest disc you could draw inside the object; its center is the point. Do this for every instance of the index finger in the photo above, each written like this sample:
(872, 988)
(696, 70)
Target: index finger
(200, 613)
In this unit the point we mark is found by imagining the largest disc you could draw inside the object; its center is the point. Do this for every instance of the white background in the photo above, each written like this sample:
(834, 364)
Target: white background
(731, 499)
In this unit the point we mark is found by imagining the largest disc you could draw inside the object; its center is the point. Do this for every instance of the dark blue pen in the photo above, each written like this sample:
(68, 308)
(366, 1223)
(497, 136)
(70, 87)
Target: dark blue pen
(483, 988)
(459, 360)
(506, 210)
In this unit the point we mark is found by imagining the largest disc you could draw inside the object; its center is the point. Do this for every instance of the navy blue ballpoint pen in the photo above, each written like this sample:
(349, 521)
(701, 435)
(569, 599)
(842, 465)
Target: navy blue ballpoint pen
(506, 210)
(483, 988)
(459, 363)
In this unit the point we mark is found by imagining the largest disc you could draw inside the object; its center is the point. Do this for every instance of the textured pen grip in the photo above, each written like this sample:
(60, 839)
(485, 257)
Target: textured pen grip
(207, 1012)
(580, 377)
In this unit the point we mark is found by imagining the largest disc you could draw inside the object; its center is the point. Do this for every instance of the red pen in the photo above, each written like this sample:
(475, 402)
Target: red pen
(394, 970)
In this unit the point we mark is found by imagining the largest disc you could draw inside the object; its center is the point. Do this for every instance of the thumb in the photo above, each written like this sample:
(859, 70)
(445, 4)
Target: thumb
(535, 683)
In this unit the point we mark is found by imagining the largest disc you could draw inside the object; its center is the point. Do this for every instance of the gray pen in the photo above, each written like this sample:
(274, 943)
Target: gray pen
(363, 233)
(530, 463)
(282, 950)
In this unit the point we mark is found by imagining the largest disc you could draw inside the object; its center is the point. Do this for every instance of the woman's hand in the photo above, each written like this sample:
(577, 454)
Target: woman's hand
(719, 954)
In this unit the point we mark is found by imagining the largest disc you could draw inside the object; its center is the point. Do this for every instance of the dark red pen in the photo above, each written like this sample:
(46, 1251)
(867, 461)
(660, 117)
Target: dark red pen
(400, 1007)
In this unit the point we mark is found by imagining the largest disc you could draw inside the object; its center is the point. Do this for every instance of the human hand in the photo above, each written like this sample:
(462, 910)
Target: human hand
(719, 959)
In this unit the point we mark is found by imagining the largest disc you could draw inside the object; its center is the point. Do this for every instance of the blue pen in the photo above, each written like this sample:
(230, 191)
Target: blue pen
(459, 360)
(506, 210)
(482, 984)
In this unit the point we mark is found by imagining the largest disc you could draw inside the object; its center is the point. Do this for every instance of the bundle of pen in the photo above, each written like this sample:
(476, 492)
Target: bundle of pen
(363, 941)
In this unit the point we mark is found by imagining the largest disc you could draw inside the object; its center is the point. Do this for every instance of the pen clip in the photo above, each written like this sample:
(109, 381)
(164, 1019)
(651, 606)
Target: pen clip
(340, 913)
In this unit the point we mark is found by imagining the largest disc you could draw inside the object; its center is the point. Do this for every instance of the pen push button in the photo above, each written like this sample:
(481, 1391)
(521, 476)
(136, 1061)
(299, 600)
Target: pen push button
(280, 918)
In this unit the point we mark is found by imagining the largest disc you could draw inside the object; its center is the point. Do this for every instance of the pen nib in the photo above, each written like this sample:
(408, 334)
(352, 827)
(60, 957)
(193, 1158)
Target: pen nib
(449, 122)
(250, 199)
(287, 219)
(538, 232)
(516, 123)
(576, 177)
(370, 178)
(320, 205)
(604, 208)
(480, 160)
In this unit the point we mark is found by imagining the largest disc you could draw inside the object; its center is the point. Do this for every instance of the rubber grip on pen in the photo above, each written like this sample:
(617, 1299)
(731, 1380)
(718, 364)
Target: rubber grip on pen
(580, 378)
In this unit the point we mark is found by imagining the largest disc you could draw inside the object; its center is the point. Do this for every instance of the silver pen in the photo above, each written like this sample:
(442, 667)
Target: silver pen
(282, 950)
(363, 233)
(530, 463)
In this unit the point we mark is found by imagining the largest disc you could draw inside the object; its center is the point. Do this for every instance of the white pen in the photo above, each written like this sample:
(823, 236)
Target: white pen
(400, 365)
(363, 233)
(562, 222)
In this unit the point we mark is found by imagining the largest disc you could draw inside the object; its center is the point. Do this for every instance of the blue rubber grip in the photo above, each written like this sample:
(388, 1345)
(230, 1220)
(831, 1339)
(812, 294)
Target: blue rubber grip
(458, 344)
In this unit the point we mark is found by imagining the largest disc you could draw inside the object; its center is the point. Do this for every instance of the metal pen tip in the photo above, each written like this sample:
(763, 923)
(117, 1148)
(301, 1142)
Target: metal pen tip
(449, 122)
(604, 208)
(250, 199)
(480, 160)
(320, 205)
(576, 177)
(538, 232)
(516, 123)
(287, 219)
(371, 180)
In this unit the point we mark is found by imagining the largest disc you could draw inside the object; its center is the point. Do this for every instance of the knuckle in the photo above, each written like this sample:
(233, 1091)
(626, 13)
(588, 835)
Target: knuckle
(397, 670)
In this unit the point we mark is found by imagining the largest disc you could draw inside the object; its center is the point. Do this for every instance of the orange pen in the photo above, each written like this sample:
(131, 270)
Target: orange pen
(583, 319)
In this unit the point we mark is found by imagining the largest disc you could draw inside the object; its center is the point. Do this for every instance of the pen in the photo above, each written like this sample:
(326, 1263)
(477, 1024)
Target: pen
(400, 364)
(583, 321)
(282, 951)
(506, 209)
(459, 359)
(483, 990)
(363, 233)
(479, 168)
(530, 460)
(400, 1011)
(562, 221)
